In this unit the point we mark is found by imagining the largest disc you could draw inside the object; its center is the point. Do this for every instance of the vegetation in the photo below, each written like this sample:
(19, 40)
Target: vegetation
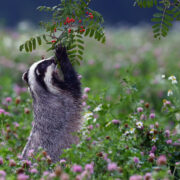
(130, 117)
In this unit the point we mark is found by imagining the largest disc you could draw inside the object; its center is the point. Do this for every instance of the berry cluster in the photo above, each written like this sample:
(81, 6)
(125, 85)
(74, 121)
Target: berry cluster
(69, 20)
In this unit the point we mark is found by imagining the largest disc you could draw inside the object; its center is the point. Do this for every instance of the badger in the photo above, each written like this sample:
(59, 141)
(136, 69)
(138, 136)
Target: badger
(56, 105)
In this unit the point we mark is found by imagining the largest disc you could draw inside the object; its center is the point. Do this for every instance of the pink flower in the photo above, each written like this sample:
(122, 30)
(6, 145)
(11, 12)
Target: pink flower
(1, 160)
(83, 104)
(169, 141)
(153, 149)
(139, 109)
(152, 156)
(135, 177)
(16, 124)
(2, 173)
(30, 153)
(161, 160)
(148, 176)
(76, 168)
(136, 160)
(167, 133)
(115, 121)
(8, 99)
(152, 115)
(12, 162)
(62, 161)
(2, 111)
(84, 96)
(45, 173)
(90, 127)
(34, 171)
(90, 168)
(112, 167)
(86, 90)
(22, 177)
(79, 76)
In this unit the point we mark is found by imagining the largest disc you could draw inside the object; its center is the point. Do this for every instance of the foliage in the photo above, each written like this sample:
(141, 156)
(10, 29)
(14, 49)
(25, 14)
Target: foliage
(112, 144)
(71, 21)
(168, 11)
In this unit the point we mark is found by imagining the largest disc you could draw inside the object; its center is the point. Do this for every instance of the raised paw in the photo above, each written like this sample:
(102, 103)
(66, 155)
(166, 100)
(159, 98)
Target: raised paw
(61, 52)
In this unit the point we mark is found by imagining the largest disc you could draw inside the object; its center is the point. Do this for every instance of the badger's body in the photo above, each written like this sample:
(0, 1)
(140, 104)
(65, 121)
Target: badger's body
(56, 105)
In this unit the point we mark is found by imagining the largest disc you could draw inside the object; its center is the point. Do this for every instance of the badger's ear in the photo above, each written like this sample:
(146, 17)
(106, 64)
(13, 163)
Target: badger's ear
(25, 77)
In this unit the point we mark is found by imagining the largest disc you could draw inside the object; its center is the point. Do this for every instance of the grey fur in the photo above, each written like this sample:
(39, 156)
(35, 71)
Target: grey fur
(56, 118)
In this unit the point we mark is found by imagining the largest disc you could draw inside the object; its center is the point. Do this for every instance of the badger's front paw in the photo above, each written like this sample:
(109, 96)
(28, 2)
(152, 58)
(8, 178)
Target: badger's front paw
(61, 52)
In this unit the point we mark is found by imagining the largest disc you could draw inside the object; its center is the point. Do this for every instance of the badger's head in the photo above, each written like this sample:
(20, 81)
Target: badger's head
(39, 76)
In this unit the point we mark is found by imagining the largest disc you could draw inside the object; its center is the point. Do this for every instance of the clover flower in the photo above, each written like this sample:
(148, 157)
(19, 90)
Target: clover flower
(152, 131)
(139, 124)
(169, 141)
(136, 177)
(90, 168)
(154, 139)
(132, 130)
(112, 166)
(162, 160)
(173, 79)
(88, 115)
(136, 160)
(139, 109)
(76, 168)
(1, 160)
(98, 108)
(22, 177)
(170, 92)
(152, 115)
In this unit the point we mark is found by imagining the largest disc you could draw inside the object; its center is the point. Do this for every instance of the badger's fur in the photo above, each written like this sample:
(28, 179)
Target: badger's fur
(56, 105)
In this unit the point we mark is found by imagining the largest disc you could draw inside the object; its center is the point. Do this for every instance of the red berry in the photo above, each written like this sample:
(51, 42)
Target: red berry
(64, 23)
(91, 16)
(69, 30)
(80, 21)
(81, 27)
(83, 30)
(87, 12)
(53, 41)
(90, 13)
(55, 29)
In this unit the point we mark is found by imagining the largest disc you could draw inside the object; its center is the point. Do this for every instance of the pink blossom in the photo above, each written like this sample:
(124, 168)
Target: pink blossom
(153, 149)
(34, 171)
(90, 127)
(76, 168)
(1, 160)
(135, 177)
(16, 124)
(84, 96)
(79, 76)
(22, 177)
(2, 173)
(152, 156)
(115, 121)
(90, 168)
(169, 141)
(136, 160)
(112, 166)
(8, 99)
(30, 153)
(83, 104)
(12, 162)
(161, 160)
(167, 133)
(139, 109)
(2, 111)
(62, 161)
(148, 176)
(152, 115)
(18, 90)
(86, 90)
(45, 173)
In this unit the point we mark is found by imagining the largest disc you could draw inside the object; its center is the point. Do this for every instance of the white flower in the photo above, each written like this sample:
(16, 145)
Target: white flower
(169, 92)
(126, 133)
(163, 76)
(139, 124)
(98, 108)
(88, 115)
(151, 131)
(132, 130)
(173, 79)
(154, 139)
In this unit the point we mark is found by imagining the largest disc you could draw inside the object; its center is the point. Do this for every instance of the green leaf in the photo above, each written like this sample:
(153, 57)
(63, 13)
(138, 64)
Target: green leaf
(30, 45)
(34, 43)
(39, 40)
(21, 47)
(26, 47)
